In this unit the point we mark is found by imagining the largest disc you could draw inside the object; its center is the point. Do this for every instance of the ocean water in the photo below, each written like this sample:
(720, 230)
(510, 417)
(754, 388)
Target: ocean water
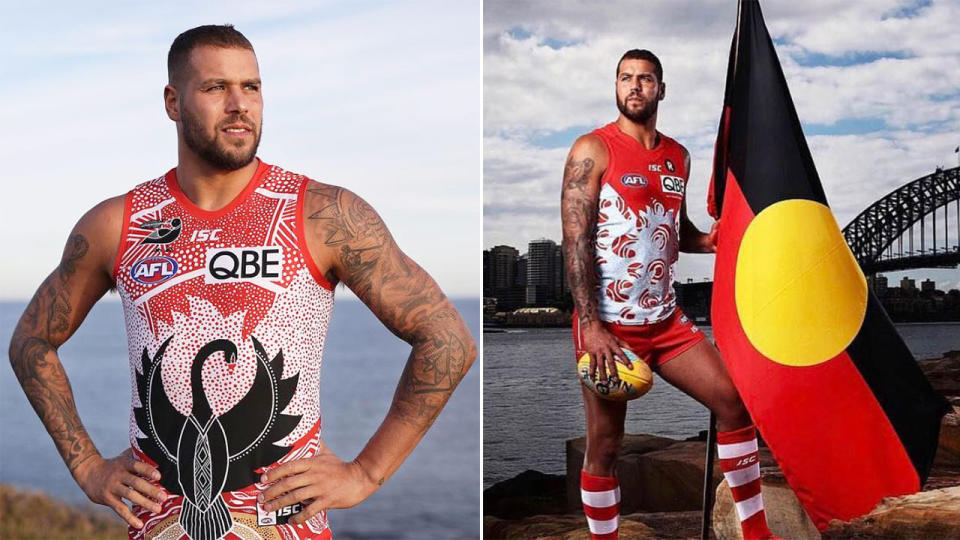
(532, 403)
(434, 494)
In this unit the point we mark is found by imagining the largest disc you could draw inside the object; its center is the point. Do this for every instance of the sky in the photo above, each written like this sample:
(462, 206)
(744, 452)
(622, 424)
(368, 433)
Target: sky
(876, 86)
(383, 98)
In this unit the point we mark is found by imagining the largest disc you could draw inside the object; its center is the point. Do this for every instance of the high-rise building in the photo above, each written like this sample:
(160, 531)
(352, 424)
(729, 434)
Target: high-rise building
(542, 272)
(521, 275)
(880, 285)
(907, 284)
(503, 260)
(487, 274)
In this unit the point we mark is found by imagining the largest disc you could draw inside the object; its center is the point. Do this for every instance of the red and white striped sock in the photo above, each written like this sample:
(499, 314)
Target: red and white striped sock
(740, 462)
(601, 504)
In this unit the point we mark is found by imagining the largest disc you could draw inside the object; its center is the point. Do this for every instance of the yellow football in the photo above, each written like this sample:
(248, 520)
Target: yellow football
(632, 383)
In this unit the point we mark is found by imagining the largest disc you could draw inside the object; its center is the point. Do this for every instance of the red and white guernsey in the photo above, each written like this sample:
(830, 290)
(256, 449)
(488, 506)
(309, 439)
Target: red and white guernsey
(226, 315)
(637, 240)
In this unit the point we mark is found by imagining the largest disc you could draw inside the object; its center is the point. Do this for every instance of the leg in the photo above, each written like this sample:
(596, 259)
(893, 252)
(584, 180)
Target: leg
(599, 487)
(604, 433)
(699, 372)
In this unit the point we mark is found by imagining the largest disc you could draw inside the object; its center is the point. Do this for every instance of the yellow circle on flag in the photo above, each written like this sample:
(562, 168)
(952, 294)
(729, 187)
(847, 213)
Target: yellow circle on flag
(800, 294)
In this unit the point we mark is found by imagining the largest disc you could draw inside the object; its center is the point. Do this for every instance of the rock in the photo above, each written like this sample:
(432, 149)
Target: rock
(527, 494)
(928, 514)
(657, 474)
(948, 450)
(665, 480)
(785, 516)
(632, 445)
(944, 373)
(574, 527)
(554, 527)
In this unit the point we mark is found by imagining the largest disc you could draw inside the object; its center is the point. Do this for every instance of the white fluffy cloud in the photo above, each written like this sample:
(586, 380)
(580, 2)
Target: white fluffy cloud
(880, 104)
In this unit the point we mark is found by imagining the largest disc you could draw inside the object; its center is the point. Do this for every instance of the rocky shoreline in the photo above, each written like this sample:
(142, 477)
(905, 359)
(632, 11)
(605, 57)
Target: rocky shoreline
(28, 515)
(662, 486)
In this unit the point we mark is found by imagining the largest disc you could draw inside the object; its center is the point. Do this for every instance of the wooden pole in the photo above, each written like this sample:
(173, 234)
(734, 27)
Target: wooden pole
(708, 478)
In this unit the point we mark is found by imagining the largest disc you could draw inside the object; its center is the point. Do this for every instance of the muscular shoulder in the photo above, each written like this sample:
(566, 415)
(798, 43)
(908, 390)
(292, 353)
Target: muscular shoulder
(99, 230)
(589, 146)
(339, 222)
(338, 215)
(586, 162)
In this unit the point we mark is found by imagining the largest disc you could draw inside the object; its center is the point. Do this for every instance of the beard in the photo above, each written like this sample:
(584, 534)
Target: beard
(641, 115)
(218, 153)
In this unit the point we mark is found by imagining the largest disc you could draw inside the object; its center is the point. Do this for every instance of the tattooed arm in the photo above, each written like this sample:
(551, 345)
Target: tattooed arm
(346, 236)
(53, 315)
(579, 198)
(692, 240)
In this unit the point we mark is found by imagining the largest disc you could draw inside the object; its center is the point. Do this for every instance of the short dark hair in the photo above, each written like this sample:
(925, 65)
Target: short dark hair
(215, 35)
(642, 54)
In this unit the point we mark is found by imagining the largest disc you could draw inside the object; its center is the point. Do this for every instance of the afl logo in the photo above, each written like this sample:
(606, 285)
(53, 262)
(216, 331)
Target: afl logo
(633, 180)
(153, 270)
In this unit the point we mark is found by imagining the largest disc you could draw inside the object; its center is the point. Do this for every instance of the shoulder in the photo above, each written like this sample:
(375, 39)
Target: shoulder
(105, 218)
(589, 144)
(338, 215)
(98, 232)
(588, 156)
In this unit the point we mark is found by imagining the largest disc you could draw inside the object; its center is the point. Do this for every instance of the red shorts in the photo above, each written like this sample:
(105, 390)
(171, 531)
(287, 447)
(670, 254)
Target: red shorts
(656, 343)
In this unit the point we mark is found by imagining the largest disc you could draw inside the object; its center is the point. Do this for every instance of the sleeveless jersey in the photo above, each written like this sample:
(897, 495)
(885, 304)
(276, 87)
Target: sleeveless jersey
(636, 237)
(226, 315)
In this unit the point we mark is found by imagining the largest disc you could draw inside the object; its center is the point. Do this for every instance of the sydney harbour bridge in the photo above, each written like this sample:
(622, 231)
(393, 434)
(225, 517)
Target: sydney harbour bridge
(910, 227)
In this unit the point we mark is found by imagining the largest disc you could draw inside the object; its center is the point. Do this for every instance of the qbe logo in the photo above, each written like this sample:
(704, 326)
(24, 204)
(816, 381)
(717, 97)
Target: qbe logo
(671, 185)
(254, 264)
(153, 270)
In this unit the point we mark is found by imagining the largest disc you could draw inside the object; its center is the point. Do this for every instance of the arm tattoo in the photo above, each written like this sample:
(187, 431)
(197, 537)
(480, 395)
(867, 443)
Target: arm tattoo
(579, 216)
(44, 325)
(403, 296)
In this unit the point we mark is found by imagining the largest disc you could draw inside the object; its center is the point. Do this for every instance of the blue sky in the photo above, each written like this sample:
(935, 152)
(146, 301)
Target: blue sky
(875, 86)
(381, 97)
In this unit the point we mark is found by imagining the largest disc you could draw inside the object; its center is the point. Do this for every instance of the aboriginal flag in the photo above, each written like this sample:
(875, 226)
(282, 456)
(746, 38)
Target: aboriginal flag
(836, 394)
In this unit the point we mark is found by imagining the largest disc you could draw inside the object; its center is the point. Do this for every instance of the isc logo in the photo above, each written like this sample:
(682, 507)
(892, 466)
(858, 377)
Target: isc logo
(204, 235)
(633, 180)
(289, 510)
(153, 270)
(671, 185)
(225, 265)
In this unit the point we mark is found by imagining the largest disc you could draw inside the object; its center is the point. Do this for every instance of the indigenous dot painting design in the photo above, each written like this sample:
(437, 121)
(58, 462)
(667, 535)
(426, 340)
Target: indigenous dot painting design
(225, 374)
(636, 239)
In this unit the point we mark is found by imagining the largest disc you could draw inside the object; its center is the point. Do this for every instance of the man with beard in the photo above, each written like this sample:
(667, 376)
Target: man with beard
(226, 267)
(624, 222)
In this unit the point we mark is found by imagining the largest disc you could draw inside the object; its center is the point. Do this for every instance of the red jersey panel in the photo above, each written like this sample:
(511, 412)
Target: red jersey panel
(637, 233)
(226, 316)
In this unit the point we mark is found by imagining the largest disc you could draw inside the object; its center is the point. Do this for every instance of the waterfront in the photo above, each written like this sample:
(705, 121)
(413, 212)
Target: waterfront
(532, 401)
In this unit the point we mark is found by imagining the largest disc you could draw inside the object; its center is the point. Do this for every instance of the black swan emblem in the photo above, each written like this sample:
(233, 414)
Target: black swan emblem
(202, 455)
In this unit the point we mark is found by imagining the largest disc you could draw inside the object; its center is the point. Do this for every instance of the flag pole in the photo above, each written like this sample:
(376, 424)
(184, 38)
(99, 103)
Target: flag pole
(708, 478)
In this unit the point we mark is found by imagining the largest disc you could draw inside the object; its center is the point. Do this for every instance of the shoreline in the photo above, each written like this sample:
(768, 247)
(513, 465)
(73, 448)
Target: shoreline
(22, 509)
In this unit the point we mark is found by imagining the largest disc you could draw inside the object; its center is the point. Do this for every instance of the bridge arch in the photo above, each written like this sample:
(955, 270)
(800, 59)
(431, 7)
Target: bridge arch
(872, 234)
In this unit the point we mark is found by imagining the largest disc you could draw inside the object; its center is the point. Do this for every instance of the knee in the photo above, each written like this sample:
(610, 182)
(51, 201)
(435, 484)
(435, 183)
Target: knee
(731, 413)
